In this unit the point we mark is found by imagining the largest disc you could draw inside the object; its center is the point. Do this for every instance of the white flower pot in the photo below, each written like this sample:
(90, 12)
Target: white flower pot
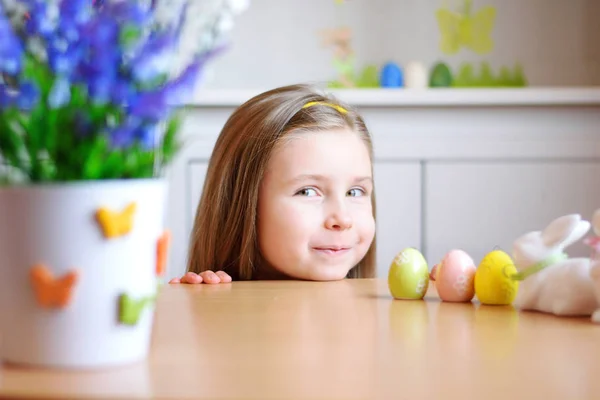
(75, 321)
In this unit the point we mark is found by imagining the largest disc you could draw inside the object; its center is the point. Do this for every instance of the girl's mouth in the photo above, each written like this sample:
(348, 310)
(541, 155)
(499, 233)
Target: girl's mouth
(333, 250)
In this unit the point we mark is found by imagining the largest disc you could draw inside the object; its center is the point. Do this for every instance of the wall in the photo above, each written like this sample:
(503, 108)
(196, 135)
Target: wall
(276, 42)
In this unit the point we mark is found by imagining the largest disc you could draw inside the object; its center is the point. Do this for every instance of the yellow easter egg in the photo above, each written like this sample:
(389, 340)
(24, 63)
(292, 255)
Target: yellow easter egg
(493, 285)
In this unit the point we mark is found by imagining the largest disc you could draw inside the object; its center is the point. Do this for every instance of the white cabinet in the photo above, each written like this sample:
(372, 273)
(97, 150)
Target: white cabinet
(398, 206)
(478, 205)
(453, 168)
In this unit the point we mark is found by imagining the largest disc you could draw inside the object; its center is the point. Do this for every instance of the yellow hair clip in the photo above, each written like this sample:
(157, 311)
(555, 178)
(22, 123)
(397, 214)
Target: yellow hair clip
(322, 103)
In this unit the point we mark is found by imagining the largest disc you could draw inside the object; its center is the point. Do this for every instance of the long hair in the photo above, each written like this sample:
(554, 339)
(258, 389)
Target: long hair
(224, 236)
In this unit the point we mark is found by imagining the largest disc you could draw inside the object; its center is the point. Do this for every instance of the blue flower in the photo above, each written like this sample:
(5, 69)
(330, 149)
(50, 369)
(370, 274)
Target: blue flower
(11, 50)
(60, 94)
(123, 94)
(24, 97)
(147, 135)
(64, 57)
(42, 18)
(79, 11)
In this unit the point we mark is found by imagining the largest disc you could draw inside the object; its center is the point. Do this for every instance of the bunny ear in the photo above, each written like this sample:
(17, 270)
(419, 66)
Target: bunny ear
(528, 247)
(565, 230)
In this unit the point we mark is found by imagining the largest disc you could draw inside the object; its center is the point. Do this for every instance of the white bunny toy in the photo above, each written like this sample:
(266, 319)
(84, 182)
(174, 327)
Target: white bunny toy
(594, 243)
(550, 281)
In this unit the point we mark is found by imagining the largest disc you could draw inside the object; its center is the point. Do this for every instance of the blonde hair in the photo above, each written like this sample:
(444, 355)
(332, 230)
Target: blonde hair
(224, 236)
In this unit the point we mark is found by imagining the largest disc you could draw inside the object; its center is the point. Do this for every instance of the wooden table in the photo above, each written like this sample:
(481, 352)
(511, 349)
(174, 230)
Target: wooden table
(346, 339)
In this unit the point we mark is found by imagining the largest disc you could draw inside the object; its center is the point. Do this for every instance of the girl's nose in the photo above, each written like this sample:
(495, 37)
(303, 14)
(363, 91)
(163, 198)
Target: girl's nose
(339, 220)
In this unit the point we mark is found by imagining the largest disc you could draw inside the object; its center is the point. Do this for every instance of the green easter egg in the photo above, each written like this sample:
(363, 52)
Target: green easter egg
(408, 276)
(441, 76)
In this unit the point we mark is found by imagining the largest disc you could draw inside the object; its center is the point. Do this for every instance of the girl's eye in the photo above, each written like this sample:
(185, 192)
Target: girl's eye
(356, 192)
(307, 192)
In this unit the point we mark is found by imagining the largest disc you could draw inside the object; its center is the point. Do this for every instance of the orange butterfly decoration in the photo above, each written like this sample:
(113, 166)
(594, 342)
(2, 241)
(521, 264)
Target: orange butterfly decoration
(115, 224)
(52, 292)
(162, 249)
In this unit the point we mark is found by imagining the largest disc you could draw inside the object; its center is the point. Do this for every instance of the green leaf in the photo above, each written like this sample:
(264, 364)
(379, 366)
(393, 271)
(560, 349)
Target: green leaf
(11, 144)
(113, 165)
(170, 144)
(129, 35)
(93, 165)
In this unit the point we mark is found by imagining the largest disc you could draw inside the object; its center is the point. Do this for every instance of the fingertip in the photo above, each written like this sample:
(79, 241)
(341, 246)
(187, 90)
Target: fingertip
(210, 277)
(224, 277)
(175, 280)
(192, 278)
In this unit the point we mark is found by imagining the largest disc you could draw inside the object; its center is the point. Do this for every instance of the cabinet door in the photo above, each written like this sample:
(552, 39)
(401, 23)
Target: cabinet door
(477, 206)
(197, 174)
(186, 181)
(398, 202)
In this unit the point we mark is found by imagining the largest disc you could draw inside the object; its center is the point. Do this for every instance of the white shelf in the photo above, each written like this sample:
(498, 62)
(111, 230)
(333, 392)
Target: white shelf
(531, 96)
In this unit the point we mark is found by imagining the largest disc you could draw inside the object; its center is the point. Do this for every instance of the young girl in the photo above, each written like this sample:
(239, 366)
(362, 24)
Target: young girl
(288, 194)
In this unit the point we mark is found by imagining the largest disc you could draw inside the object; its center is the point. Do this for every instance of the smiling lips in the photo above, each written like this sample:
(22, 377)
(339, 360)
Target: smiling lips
(332, 250)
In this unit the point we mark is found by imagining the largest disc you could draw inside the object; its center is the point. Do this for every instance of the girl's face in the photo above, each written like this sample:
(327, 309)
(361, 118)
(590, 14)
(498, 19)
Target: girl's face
(315, 218)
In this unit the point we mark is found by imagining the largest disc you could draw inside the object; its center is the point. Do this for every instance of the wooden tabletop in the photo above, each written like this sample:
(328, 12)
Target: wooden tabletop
(346, 339)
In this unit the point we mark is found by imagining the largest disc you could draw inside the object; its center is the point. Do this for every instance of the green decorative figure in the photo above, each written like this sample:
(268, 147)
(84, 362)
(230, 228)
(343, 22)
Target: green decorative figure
(441, 76)
(468, 77)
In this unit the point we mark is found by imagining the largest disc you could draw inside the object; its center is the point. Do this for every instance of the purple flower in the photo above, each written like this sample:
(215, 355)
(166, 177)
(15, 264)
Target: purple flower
(151, 105)
(123, 94)
(154, 58)
(181, 89)
(83, 123)
(124, 135)
(101, 31)
(131, 12)
(97, 4)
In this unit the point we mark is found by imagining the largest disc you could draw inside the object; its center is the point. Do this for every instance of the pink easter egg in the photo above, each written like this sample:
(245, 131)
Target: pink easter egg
(454, 277)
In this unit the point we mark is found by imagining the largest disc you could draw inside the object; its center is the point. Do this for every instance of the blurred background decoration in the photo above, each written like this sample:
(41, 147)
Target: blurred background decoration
(370, 43)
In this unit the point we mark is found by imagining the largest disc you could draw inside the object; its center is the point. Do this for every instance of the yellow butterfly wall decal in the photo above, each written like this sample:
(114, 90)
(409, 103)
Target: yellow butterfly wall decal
(50, 291)
(472, 31)
(115, 223)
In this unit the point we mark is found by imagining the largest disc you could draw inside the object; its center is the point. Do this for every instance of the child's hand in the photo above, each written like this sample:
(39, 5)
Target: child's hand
(203, 277)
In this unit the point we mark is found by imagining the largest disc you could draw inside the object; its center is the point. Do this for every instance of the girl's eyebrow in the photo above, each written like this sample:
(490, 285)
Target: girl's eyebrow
(322, 178)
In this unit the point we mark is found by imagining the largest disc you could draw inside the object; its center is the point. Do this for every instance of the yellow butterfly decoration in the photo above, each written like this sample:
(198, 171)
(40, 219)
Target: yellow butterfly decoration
(472, 31)
(114, 223)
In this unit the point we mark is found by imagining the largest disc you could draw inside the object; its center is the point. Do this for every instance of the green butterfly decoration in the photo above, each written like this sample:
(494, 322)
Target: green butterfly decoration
(472, 31)
(130, 309)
